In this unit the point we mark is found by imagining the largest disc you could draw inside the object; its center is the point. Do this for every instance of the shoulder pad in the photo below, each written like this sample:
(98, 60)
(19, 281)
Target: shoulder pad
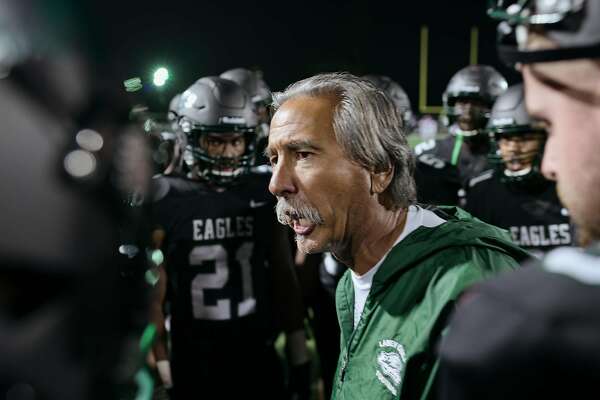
(424, 146)
(484, 176)
(431, 160)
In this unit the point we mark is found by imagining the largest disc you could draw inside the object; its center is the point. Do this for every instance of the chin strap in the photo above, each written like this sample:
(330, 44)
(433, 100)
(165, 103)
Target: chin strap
(521, 172)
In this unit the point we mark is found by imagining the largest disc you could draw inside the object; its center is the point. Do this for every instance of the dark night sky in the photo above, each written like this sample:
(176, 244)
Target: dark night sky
(293, 40)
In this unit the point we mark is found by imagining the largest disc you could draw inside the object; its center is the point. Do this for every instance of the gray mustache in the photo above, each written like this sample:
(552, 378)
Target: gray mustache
(288, 210)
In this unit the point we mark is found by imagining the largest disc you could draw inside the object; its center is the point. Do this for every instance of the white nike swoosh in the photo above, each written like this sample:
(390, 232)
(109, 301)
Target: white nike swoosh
(256, 204)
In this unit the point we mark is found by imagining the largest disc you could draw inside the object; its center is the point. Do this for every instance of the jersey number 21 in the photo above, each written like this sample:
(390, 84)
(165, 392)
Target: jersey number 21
(222, 310)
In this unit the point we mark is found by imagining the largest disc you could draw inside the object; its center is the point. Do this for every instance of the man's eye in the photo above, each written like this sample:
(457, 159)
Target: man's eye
(302, 155)
(273, 160)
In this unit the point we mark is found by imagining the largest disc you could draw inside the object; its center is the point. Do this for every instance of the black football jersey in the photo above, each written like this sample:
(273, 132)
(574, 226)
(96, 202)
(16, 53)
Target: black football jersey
(216, 260)
(535, 218)
(469, 163)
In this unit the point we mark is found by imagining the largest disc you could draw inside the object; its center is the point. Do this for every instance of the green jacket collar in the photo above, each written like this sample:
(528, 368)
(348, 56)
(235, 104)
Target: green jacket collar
(460, 229)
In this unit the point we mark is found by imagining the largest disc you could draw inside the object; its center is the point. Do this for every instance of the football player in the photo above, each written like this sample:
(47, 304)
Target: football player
(467, 99)
(228, 267)
(515, 195)
(445, 165)
(533, 333)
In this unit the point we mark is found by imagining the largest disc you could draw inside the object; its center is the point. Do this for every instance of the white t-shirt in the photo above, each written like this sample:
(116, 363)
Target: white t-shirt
(415, 218)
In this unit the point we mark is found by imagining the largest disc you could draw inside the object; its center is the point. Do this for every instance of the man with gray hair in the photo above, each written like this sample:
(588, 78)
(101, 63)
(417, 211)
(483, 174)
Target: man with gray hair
(342, 174)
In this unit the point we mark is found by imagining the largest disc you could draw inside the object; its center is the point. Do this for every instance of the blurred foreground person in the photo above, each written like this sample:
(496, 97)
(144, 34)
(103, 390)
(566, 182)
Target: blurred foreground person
(70, 324)
(228, 275)
(342, 174)
(534, 333)
(515, 195)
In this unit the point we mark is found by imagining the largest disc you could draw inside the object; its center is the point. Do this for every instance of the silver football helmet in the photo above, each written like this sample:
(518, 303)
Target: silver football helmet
(221, 107)
(469, 96)
(397, 95)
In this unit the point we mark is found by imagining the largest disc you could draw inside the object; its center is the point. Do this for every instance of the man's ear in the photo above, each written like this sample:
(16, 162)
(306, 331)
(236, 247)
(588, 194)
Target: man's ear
(381, 180)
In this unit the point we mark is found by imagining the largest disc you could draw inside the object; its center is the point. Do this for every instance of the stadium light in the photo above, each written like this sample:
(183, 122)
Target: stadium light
(160, 76)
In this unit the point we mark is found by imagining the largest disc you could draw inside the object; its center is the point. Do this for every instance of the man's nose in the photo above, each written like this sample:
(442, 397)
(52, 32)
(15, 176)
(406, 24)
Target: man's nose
(549, 162)
(282, 180)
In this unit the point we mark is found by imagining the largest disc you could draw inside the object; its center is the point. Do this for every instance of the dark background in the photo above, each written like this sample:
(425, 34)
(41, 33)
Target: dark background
(292, 40)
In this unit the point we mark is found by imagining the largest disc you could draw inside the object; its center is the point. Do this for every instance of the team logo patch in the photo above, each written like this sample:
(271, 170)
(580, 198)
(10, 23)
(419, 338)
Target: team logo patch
(391, 360)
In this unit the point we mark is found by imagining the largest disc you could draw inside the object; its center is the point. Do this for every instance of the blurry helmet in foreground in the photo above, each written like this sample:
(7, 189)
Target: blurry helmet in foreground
(574, 25)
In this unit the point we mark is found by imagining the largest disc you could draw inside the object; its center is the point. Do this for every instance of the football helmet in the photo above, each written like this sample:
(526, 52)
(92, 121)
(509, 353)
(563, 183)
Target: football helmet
(173, 113)
(252, 82)
(260, 94)
(168, 148)
(468, 98)
(211, 110)
(173, 141)
(166, 139)
(398, 96)
(519, 139)
(572, 24)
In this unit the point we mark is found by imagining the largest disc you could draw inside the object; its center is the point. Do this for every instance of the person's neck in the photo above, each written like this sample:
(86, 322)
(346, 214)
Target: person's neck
(364, 250)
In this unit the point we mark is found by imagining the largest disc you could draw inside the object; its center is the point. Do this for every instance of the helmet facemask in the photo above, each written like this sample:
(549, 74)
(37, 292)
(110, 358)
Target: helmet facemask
(517, 154)
(220, 121)
(221, 154)
(467, 115)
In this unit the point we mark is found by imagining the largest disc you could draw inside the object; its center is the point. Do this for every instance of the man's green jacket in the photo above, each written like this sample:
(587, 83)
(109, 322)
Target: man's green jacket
(392, 352)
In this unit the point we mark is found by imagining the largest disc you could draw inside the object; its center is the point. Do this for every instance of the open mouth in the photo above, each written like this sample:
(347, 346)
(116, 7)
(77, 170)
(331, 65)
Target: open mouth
(301, 226)
(516, 161)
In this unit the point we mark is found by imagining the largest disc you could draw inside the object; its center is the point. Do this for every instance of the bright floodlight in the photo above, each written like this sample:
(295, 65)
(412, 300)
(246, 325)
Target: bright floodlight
(160, 77)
